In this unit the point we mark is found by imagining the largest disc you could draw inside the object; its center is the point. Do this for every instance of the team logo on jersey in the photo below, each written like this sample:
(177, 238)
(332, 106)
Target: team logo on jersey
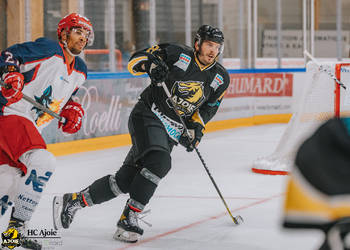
(188, 96)
(46, 100)
(218, 80)
(11, 238)
(183, 62)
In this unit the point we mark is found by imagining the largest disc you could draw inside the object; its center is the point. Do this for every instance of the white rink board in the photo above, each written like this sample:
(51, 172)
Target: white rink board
(248, 106)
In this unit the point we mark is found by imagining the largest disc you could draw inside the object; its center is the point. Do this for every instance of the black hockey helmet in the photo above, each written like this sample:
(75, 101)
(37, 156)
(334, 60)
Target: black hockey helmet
(209, 33)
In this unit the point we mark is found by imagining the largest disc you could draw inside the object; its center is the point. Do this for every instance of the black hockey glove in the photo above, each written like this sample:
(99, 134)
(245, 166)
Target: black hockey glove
(195, 130)
(157, 69)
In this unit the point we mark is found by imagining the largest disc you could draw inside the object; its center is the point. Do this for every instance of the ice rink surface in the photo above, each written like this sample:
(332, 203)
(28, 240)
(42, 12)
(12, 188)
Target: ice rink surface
(186, 212)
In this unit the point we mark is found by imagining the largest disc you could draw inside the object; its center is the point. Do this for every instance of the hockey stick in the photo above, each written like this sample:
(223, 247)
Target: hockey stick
(38, 105)
(238, 219)
(321, 68)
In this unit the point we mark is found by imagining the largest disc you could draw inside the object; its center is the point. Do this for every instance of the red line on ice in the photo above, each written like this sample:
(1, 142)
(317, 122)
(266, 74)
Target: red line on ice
(141, 242)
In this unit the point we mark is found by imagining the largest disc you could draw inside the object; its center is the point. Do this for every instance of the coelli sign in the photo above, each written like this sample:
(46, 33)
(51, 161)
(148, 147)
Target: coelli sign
(107, 104)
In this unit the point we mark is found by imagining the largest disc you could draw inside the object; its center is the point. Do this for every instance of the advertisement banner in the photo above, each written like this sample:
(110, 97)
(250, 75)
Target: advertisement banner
(263, 85)
(257, 94)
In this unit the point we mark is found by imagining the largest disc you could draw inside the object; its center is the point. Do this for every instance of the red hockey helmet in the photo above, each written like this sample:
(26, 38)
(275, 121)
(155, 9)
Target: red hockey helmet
(75, 20)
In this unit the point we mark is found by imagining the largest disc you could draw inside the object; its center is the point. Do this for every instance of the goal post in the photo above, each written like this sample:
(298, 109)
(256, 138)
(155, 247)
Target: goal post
(342, 73)
(322, 98)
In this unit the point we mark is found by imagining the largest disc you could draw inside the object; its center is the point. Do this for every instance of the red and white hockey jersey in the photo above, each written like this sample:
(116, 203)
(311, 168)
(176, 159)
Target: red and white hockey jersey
(48, 78)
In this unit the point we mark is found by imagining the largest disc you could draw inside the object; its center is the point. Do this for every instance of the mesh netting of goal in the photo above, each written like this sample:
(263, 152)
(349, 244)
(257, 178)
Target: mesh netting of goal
(321, 99)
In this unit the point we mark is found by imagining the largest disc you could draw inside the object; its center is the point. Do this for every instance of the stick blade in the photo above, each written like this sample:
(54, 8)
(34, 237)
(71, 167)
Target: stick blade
(238, 220)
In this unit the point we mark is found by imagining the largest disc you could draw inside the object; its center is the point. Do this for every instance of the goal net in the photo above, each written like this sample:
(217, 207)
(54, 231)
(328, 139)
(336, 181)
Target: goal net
(321, 99)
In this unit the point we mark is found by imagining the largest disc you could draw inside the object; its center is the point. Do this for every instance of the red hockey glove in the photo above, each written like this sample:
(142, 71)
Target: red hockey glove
(73, 112)
(13, 91)
(195, 130)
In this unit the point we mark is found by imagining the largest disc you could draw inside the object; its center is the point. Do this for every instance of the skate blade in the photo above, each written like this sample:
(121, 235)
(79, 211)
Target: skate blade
(57, 206)
(126, 236)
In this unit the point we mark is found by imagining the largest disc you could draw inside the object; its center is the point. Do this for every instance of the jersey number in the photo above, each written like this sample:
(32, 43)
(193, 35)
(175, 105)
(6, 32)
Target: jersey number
(152, 49)
(9, 58)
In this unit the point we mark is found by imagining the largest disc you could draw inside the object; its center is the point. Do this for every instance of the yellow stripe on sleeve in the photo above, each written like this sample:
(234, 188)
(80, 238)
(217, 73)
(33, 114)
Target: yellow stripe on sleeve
(133, 63)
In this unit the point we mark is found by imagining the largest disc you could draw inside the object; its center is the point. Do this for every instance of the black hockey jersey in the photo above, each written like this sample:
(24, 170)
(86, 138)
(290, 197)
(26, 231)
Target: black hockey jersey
(318, 190)
(197, 90)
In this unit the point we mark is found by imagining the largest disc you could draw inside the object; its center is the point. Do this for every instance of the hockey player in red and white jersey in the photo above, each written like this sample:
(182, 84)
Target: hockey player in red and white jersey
(49, 72)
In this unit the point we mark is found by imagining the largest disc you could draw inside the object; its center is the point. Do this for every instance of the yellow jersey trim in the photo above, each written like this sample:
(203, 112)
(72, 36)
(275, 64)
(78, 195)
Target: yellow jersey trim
(200, 65)
(300, 203)
(132, 64)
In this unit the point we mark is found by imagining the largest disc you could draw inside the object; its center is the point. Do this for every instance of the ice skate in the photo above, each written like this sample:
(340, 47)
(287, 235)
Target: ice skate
(25, 241)
(64, 209)
(128, 229)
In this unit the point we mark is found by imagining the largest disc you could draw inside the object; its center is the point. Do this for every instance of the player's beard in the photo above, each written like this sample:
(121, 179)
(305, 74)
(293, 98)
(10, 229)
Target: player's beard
(200, 53)
(75, 51)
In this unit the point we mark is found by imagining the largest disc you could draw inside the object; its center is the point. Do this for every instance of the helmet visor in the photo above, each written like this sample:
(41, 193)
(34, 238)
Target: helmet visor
(89, 36)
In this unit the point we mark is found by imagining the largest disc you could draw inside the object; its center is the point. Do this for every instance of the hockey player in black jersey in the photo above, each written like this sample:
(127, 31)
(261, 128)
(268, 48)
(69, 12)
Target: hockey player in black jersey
(318, 190)
(197, 83)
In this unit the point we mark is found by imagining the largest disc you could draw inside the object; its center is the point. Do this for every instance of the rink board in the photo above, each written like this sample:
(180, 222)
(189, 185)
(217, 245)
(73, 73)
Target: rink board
(99, 143)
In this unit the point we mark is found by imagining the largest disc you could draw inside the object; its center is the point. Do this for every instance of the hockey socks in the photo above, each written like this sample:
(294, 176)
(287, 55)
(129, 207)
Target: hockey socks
(101, 190)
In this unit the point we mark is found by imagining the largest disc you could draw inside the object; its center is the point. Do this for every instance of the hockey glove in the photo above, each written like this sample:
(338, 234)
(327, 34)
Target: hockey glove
(157, 69)
(14, 84)
(73, 112)
(195, 130)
